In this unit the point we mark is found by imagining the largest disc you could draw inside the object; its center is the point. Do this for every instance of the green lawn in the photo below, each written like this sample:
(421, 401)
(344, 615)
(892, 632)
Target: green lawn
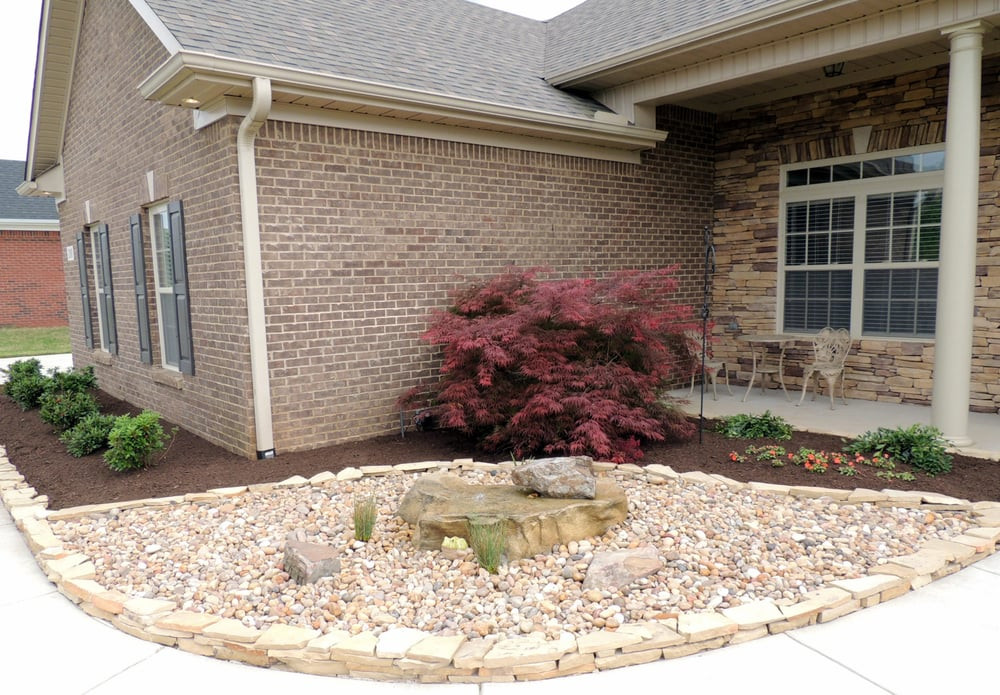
(24, 342)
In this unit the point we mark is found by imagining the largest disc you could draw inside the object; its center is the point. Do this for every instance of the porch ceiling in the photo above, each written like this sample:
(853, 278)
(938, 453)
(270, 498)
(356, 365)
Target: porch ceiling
(723, 75)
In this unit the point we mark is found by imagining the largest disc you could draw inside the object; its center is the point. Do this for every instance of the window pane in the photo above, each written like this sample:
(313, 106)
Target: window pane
(798, 177)
(908, 164)
(932, 161)
(877, 284)
(903, 284)
(903, 246)
(926, 315)
(875, 318)
(819, 216)
(877, 246)
(840, 284)
(796, 217)
(161, 243)
(795, 284)
(927, 279)
(795, 315)
(168, 317)
(902, 318)
(847, 172)
(877, 214)
(795, 250)
(841, 248)
(930, 244)
(818, 284)
(877, 167)
(819, 175)
(843, 214)
(819, 249)
(840, 314)
(904, 208)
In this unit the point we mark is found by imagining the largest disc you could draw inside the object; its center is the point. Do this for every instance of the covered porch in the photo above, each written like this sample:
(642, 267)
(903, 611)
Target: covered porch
(850, 420)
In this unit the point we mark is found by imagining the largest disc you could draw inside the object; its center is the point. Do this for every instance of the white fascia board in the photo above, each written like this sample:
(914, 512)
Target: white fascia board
(157, 26)
(234, 106)
(713, 33)
(180, 67)
(29, 225)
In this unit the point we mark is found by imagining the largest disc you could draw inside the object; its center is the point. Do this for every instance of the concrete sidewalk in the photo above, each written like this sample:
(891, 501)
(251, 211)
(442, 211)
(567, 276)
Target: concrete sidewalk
(62, 362)
(939, 639)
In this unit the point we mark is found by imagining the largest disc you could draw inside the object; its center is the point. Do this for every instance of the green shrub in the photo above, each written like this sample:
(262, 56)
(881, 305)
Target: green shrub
(133, 441)
(88, 435)
(488, 538)
(73, 381)
(25, 383)
(64, 410)
(744, 426)
(921, 446)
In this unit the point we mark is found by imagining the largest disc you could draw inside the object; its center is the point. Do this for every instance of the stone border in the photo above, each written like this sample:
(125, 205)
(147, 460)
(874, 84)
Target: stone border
(407, 654)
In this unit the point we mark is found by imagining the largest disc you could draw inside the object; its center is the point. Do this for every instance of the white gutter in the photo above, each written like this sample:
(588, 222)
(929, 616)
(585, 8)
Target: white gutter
(247, 170)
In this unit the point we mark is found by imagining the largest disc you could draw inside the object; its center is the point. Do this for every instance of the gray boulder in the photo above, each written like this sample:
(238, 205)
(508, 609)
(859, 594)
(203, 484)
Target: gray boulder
(563, 477)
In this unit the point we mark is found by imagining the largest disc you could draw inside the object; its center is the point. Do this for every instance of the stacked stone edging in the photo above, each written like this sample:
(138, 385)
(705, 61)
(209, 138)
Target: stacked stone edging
(408, 654)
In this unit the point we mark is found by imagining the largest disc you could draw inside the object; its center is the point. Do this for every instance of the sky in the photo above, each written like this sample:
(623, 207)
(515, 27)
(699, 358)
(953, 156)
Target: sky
(19, 42)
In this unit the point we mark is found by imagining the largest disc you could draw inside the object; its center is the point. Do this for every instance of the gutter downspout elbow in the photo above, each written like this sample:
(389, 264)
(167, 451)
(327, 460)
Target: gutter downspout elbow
(253, 269)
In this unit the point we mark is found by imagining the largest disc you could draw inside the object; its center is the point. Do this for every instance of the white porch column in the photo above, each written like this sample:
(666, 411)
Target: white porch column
(960, 209)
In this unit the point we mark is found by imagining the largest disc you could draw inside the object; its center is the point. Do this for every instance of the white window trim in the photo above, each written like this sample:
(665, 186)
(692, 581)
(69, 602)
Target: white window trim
(858, 189)
(95, 251)
(153, 210)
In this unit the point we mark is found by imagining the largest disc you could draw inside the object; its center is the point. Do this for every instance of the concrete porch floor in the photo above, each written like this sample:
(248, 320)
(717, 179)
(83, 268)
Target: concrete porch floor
(845, 420)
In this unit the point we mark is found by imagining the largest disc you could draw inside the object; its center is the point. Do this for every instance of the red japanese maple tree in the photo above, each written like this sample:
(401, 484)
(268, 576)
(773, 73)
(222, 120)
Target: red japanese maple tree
(570, 366)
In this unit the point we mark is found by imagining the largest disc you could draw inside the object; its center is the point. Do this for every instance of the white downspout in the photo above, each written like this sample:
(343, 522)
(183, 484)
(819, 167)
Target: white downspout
(247, 170)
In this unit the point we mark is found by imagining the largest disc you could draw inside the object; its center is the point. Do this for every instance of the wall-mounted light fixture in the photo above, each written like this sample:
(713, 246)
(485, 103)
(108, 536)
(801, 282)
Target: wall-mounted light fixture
(833, 69)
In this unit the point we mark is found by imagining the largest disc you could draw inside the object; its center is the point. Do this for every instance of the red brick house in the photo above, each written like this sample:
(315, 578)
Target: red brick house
(32, 286)
(268, 198)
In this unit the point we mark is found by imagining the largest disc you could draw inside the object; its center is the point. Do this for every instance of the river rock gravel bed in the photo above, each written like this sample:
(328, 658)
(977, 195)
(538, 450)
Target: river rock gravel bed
(721, 547)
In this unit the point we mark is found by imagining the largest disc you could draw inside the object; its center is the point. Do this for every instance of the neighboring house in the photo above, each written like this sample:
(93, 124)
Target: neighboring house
(267, 199)
(32, 284)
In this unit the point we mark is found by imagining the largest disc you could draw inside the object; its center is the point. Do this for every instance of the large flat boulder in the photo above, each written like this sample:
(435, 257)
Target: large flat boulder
(441, 505)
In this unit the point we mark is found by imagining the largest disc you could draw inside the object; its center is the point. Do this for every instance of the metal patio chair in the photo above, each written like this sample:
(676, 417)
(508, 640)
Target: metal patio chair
(830, 350)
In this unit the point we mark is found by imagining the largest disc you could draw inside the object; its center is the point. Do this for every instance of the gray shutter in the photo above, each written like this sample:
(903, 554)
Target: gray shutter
(109, 328)
(179, 256)
(141, 295)
(81, 259)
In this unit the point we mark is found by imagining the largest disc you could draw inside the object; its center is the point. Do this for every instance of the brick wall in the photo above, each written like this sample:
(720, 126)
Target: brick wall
(113, 138)
(904, 111)
(364, 234)
(32, 286)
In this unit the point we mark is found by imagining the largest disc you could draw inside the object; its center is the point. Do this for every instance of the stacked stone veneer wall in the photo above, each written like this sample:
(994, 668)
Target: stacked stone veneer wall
(32, 286)
(903, 111)
(364, 234)
(402, 654)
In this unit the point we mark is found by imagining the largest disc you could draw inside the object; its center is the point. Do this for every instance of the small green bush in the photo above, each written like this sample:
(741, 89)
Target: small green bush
(73, 381)
(488, 538)
(921, 446)
(744, 426)
(25, 383)
(133, 441)
(64, 410)
(88, 435)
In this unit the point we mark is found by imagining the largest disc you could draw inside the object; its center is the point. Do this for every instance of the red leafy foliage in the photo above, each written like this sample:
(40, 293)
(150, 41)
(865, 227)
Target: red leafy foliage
(561, 367)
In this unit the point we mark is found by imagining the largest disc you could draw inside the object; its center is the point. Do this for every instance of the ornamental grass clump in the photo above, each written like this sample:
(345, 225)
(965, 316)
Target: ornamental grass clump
(563, 367)
(365, 515)
(488, 538)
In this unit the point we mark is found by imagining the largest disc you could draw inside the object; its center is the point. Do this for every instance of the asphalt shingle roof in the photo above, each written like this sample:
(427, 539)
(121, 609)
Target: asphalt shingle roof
(600, 29)
(15, 207)
(450, 47)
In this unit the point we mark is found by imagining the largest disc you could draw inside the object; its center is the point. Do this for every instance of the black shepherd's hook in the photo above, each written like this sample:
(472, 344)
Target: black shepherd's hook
(706, 302)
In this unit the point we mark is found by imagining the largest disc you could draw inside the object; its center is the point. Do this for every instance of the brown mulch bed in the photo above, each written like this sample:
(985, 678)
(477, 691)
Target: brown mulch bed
(193, 465)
